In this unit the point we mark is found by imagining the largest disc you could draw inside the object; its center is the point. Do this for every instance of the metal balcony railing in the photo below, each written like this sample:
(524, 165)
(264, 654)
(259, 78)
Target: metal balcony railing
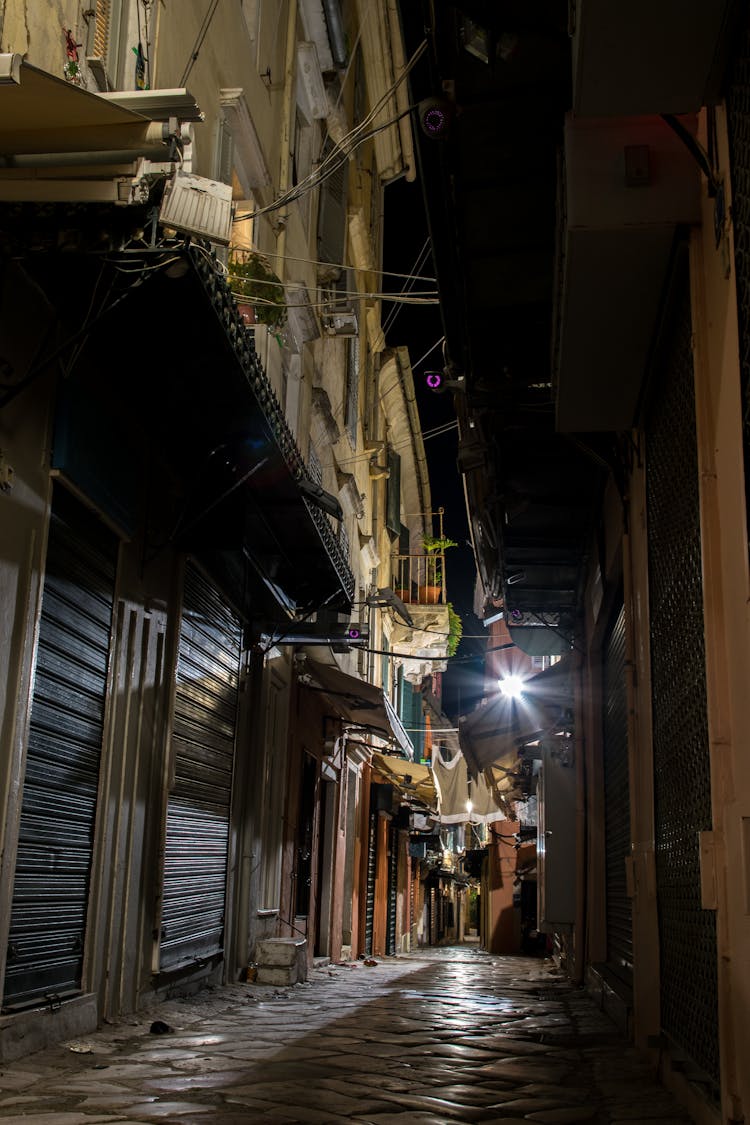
(420, 579)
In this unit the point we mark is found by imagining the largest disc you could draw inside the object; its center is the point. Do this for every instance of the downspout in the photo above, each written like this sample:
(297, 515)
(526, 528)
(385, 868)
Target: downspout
(420, 458)
(402, 93)
(288, 104)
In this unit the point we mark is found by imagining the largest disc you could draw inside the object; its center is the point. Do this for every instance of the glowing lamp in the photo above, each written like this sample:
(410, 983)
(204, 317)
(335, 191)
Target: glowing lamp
(511, 687)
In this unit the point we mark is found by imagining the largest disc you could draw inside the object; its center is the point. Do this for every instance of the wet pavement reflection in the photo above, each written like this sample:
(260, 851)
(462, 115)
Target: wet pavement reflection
(438, 1036)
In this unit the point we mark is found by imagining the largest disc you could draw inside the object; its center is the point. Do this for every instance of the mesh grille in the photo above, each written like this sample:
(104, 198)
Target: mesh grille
(617, 804)
(687, 933)
(738, 122)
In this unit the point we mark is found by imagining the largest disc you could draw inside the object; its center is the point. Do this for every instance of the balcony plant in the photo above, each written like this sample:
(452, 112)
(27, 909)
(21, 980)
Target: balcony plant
(430, 592)
(258, 290)
(455, 630)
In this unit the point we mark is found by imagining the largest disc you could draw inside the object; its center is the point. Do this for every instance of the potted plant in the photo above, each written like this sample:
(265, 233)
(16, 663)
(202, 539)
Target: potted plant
(257, 289)
(455, 630)
(430, 592)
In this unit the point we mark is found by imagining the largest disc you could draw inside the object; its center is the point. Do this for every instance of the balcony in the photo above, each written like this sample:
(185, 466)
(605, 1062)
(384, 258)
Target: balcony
(419, 580)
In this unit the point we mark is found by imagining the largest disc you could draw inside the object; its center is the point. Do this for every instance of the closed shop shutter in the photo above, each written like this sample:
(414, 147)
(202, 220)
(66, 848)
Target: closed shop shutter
(738, 126)
(617, 804)
(58, 813)
(392, 889)
(370, 894)
(682, 781)
(198, 808)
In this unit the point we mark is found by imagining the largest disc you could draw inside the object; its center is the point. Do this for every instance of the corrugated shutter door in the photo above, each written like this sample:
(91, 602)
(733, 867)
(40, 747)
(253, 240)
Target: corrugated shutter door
(203, 738)
(370, 892)
(617, 804)
(392, 889)
(55, 846)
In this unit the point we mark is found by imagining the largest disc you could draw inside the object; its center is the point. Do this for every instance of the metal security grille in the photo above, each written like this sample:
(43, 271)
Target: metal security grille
(370, 893)
(197, 832)
(392, 889)
(738, 123)
(617, 804)
(55, 846)
(687, 933)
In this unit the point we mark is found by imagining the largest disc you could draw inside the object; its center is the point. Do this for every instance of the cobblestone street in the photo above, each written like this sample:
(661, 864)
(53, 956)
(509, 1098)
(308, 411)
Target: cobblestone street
(448, 1035)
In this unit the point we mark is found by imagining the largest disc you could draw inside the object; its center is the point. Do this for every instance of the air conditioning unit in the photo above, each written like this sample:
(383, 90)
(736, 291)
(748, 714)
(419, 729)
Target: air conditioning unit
(198, 206)
(339, 307)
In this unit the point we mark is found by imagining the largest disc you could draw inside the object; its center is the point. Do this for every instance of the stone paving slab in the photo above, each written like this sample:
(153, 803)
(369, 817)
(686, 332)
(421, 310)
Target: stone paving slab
(439, 1037)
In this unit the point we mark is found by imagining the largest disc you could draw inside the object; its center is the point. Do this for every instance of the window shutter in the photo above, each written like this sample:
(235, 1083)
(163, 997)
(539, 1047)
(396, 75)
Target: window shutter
(352, 389)
(332, 213)
(102, 19)
(393, 510)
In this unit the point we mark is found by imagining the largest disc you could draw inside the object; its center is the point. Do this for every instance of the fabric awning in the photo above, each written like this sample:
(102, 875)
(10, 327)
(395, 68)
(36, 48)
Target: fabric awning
(414, 781)
(357, 702)
(493, 733)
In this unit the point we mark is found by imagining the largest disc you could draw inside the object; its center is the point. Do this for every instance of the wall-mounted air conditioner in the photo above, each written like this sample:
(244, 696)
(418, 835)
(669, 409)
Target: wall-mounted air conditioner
(339, 306)
(198, 206)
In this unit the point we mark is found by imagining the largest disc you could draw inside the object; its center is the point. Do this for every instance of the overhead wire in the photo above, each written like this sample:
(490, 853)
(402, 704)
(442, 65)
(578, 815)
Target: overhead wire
(353, 269)
(202, 33)
(341, 152)
(327, 168)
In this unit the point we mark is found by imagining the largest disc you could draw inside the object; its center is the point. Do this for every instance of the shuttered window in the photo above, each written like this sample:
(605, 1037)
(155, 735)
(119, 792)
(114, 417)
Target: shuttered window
(393, 510)
(352, 389)
(332, 213)
(102, 22)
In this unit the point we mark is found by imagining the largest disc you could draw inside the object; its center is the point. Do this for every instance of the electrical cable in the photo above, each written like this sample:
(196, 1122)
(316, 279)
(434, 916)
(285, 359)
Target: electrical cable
(322, 173)
(202, 33)
(428, 352)
(340, 153)
(341, 266)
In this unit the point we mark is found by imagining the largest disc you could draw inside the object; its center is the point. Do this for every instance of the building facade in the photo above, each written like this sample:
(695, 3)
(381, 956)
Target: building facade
(197, 512)
(598, 341)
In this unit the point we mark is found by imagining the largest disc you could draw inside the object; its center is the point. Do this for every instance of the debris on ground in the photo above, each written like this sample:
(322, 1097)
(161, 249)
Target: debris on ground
(81, 1048)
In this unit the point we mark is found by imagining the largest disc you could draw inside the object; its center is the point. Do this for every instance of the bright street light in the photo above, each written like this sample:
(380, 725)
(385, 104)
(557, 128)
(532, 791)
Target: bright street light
(511, 687)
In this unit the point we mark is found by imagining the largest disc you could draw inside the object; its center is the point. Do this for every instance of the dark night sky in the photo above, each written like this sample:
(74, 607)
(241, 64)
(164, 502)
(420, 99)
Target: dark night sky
(418, 327)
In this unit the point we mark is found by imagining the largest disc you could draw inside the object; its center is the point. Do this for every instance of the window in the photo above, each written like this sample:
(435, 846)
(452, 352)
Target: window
(352, 389)
(393, 510)
(332, 212)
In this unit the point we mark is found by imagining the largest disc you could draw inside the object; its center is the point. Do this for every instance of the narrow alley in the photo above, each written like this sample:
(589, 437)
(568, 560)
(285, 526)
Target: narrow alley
(443, 1035)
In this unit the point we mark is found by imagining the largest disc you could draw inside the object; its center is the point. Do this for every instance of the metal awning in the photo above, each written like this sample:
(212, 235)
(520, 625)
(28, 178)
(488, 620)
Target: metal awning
(184, 392)
(41, 113)
(494, 733)
(358, 703)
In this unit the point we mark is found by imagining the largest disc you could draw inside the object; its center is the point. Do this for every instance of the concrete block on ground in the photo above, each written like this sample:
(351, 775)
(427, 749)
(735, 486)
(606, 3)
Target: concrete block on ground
(281, 957)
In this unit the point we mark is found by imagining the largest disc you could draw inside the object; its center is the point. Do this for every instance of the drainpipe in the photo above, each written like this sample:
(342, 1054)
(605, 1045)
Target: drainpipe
(408, 160)
(287, 107)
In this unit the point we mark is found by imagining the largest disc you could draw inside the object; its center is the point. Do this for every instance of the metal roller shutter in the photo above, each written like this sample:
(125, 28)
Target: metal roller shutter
(392, 889)
(198, 808)
(617, 804)
(370, 893)
(682, 782)
(58, 813)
